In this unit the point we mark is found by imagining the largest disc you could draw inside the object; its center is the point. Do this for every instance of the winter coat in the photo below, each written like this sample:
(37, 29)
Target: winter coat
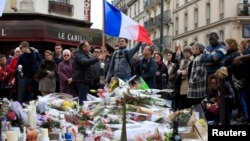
(82, 67)
(197, 80)
(65, 71)
(46, 75)
(147, 70)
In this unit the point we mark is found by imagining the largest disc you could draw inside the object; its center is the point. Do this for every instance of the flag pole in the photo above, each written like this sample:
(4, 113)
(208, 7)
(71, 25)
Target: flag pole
(104, 49)
(103, 26)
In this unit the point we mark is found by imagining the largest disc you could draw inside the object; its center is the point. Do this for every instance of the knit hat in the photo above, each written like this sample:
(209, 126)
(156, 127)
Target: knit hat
(17, 49)
(189, 49)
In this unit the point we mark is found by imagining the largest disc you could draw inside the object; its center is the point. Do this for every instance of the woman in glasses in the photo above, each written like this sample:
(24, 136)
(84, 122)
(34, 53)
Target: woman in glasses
(65, 72)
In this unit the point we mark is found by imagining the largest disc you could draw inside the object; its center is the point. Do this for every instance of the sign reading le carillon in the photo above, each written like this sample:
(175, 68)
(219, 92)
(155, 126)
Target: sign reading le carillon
(73, 37)
(3, 33)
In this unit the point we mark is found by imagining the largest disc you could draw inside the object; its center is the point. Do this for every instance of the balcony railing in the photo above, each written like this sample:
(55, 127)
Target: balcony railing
(166, 17)
(130, 2)
(167, 40)
(61, 8)
(243, 9)
(124, 8)
(149, 3)
(149, 23)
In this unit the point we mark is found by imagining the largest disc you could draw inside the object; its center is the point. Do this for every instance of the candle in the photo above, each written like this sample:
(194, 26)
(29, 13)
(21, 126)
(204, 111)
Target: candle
(24, 133)
(12, 136)
(45, 133)
(32, 114)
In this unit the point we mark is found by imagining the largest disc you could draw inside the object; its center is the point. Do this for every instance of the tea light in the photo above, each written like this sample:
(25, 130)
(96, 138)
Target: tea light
(45, 133)
(12, 136)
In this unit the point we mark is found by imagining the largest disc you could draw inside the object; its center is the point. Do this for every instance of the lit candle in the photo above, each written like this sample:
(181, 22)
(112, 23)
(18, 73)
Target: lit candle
(24, 133)
(12, 136)
(45, 133)
(32, 114)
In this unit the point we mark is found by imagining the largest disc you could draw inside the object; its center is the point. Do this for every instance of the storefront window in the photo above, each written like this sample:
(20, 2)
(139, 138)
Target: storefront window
(62, 1)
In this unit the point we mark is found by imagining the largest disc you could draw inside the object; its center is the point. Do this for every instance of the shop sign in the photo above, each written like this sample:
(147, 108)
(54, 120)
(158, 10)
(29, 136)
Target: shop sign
(74, 37)
(87, 6)
(3, 33)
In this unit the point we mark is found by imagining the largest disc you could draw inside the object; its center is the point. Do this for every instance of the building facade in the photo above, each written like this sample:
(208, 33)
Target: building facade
(187, 21)
(44, 23)
(195, 19)
(148, 14)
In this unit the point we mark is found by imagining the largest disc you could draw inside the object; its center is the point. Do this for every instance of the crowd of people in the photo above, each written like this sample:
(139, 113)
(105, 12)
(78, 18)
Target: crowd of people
(214, 75)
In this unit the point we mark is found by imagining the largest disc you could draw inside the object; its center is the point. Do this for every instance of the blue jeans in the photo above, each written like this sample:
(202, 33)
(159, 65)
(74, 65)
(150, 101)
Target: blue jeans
(83, 92)
(243, 103)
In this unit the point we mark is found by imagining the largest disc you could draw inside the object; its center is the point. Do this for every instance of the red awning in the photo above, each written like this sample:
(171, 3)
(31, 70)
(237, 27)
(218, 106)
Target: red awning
(44, 31)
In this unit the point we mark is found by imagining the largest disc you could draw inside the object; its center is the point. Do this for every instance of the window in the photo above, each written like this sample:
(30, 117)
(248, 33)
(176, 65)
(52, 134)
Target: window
(139, 6)
(186, 22)
(176, 26)
(221, 35)
(221, 9)
(186, 1)
(177, 3)
(208, 13)
(135, 9)
(62, 1)
(246, 31)
(195, 39)
(196, 18)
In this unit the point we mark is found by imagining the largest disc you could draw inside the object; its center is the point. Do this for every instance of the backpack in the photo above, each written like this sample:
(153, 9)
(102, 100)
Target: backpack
(132, 65)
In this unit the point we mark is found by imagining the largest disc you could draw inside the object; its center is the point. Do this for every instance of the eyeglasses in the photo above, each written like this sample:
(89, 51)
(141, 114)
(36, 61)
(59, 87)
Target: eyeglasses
(97, 52)
(122, 41)
(65, 55)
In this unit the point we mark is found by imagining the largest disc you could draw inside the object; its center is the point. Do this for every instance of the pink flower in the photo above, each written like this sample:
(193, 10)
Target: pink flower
(11, 116)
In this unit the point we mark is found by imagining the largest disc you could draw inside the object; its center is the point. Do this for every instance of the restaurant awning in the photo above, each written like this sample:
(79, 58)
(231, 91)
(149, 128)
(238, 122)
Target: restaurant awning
(37, 30)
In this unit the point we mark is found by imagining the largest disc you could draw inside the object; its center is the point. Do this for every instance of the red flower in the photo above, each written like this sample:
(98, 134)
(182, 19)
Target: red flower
(11, 116)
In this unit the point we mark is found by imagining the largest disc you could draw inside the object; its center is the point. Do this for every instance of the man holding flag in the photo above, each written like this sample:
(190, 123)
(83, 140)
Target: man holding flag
(120, 65)
(118, 24)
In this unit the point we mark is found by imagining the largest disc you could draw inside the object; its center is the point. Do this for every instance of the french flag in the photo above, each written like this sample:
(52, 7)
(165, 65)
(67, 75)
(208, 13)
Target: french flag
(118, 24)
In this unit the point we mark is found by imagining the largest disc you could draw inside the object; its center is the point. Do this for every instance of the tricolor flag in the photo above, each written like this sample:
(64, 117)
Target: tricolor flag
(118, 24)
(2, 4)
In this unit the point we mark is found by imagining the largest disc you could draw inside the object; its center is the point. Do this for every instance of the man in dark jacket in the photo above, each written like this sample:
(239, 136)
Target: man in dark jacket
(58, 57)
(83, 69)
(29, 60)
(147, 67)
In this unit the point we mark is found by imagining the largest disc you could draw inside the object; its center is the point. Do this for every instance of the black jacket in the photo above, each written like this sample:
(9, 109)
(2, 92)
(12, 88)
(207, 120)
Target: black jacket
(83, 67)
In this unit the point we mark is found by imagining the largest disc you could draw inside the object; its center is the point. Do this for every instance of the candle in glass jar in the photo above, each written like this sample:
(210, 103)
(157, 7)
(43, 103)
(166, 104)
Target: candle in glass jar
(12, 136)
(45, 133)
